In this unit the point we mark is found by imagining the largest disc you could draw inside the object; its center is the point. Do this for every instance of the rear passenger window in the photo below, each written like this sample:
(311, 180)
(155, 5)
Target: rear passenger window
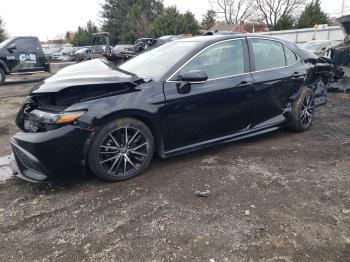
(268, 54)
(291, 58)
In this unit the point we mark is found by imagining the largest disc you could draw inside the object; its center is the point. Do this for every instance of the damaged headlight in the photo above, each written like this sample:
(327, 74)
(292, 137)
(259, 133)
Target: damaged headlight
(38, 120)
(56, 118)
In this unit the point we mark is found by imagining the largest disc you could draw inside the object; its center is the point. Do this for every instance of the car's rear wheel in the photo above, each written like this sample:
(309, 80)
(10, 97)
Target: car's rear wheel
(121, 149)
(2, 77)
(302, 111)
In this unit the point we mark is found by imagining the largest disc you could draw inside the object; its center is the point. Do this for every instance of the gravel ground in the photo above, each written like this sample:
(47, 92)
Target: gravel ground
(279, 197)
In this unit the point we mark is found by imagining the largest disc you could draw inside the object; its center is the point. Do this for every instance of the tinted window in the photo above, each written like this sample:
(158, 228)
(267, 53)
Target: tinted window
(220, 60)
(290, 56)
(25, 44)
(267, 54)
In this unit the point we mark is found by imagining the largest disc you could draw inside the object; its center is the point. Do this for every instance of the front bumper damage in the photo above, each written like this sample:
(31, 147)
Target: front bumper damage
(57, 155)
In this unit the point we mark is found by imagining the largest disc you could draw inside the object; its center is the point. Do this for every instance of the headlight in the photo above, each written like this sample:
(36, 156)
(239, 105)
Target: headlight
(55, 118)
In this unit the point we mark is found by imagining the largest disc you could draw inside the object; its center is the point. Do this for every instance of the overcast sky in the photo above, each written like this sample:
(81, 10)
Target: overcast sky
(49, 18)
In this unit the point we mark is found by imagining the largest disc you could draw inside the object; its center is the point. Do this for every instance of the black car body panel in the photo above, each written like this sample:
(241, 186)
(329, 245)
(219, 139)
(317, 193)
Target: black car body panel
(52, 155)
(210, 112)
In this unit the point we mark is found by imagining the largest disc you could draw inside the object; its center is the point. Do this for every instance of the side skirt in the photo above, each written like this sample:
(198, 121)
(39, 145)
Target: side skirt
(222, 140)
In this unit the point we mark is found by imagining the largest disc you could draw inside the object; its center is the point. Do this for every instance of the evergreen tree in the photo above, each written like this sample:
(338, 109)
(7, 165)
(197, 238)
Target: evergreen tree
(190, 24)
(209, 20)
(284, 23)
(121, 16)
(83, 35)
(136, 25)
(312, 15)
(172, 22)
(3, 35)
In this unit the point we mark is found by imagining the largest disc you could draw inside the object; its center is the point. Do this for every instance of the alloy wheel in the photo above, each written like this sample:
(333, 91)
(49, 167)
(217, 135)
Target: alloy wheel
(123, 151)
(307, 108)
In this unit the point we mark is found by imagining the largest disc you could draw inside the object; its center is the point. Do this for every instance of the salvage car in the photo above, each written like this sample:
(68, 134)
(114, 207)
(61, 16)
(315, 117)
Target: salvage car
(66, 54)
(48, 52)
(319, 47)
(182, 96)
(83, 54)
(127, 51)
(167, 38)
(146, 43)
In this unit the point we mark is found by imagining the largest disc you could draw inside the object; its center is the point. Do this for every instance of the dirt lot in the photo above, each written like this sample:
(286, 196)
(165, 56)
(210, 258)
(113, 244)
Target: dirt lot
(278, 197)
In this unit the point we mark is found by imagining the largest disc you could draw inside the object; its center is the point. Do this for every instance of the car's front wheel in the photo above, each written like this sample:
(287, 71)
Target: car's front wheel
(121, 149)
(302, 111)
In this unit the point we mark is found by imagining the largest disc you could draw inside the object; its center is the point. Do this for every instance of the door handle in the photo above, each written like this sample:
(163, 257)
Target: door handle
(244, 84)
(297, 75)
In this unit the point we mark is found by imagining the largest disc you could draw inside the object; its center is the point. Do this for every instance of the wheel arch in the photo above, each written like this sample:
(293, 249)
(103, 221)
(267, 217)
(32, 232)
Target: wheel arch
(4, 66)
(153, 123)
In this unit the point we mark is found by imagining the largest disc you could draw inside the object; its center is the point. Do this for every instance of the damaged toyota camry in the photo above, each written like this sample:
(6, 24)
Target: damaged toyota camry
(182, 96)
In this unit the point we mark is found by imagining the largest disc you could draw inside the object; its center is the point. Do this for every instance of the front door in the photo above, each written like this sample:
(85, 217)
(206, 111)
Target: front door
(26, 57)
(217, 107)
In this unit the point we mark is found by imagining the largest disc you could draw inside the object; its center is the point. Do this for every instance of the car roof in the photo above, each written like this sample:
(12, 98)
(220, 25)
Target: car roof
(218, 38)
(18, 37)
(208, 39)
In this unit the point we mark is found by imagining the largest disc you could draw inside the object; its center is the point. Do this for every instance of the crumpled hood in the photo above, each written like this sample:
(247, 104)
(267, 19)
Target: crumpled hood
(92, 72)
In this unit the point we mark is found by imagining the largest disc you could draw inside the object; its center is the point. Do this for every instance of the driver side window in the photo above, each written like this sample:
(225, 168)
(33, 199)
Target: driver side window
(220, 60)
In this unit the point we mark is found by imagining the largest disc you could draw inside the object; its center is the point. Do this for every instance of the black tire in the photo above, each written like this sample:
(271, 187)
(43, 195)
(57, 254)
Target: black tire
(134, 153)
(2, 76)
(302, 111)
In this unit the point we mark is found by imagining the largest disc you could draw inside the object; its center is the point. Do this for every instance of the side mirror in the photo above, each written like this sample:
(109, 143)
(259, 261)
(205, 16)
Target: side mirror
(194, 76)
(11, 47)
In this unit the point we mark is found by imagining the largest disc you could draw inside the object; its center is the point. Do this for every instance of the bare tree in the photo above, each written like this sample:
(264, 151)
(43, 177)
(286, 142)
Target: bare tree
(271, 11)
(236, 11)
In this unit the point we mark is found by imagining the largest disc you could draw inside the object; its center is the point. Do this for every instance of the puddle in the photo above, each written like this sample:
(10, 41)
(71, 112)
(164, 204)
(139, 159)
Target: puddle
(6, 172)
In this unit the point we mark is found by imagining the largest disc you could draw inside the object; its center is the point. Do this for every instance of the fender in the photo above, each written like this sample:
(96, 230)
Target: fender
(4, 66)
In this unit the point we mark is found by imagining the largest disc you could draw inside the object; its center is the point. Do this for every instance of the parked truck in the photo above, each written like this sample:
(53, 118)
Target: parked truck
(21, 55)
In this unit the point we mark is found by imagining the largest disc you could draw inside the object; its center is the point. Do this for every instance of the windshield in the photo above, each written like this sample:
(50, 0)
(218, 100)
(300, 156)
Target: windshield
(156, 62)
(5, 43)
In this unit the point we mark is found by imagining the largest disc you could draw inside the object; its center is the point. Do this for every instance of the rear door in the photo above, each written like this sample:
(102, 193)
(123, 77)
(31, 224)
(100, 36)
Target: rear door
(214, 108)
(39, 54)
(274, 81)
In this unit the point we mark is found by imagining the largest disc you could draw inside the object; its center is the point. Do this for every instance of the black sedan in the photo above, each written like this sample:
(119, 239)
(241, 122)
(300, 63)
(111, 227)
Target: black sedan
(182, 96)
